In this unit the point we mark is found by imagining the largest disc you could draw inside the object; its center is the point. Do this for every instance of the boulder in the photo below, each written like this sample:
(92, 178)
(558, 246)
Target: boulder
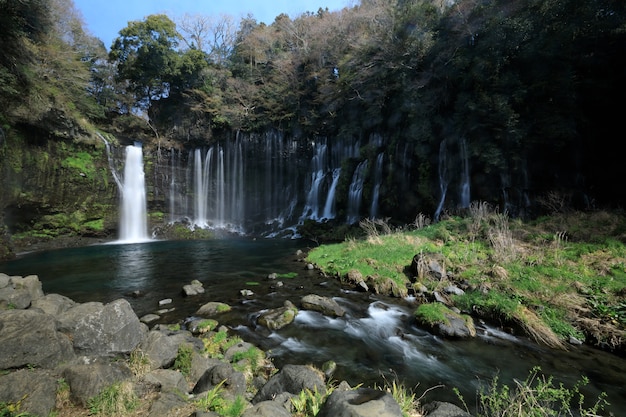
(443, 409)
(161, 347)
(167, 380)
(30, 338)
(35, 390)
(361, 402)
(233, 382)
(455, 326)
(212, 308)
(167, 404)
(53, 304)
(88, 380)
(291, 379)
(98, 329)
(324, 305)
(266, 409)
(278, 318)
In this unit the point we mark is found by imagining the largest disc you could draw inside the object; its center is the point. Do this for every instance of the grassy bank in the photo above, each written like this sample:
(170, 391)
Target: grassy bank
(557, 277)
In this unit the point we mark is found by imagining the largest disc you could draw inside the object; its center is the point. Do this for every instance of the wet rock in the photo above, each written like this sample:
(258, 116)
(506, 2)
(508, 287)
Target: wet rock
(324, 305)
(194, 288)
(278, 318)
(212, 308)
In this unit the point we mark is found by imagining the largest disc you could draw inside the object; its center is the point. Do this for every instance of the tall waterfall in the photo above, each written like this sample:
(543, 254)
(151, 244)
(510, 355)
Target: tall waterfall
(443, 178)
(318, 173)
(133, 212)
(378, 179)
(355, 193)
(465, 176)
(329, 206)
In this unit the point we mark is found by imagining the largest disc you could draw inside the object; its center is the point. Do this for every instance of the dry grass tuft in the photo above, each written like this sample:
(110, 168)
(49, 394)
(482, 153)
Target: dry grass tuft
(537, 329)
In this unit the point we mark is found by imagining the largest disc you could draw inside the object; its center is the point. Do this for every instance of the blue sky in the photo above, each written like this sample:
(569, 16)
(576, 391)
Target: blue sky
(105, 18)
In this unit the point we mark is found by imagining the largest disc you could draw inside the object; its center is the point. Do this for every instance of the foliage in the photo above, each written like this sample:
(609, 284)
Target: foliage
(183, 359)
(214, 400)
(145, 57)
(538, 395)
(117, 399)
(309, 402)
(13, 410)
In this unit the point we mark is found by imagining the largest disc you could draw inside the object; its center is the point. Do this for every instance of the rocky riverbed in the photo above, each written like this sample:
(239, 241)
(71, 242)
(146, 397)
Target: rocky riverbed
(60, 356)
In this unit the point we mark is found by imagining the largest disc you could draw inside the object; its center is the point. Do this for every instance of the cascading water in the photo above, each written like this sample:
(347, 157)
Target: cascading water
(443, 178)
(378, 179)
(318, 174)
(329, 207)
(133, 211)
(465, 176)
(355, 193)
(267, 184)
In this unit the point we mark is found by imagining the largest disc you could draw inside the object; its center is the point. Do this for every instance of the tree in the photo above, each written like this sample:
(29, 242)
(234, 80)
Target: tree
(146, 58)
(214, 36)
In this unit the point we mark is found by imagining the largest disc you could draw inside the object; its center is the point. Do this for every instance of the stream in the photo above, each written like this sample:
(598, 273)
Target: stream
(376, 342)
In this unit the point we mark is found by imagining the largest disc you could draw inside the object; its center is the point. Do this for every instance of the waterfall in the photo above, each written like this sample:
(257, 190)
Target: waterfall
(318, 173)
(329, 207)
(443, 178)
(465, 177)
(133, 215)
(378, 179)
(355, 192)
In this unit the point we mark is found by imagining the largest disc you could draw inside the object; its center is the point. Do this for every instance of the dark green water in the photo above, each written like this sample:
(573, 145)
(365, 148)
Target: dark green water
(376, 341)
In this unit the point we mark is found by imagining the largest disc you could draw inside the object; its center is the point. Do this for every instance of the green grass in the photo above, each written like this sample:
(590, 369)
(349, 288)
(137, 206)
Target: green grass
(534, 274)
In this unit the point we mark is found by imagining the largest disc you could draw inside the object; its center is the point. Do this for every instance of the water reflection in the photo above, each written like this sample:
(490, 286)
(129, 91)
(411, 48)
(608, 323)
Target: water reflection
(133, 269)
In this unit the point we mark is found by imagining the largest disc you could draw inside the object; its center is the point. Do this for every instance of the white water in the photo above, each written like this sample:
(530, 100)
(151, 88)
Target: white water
(465, 176)
(443, 178)
(133, 212)
(329, 207)
(378, 179)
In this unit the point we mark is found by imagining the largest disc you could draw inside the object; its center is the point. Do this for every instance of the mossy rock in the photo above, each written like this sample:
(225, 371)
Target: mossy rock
(445, 322)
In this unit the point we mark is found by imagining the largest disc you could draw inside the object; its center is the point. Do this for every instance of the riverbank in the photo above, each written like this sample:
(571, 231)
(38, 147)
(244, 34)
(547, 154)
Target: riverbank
(560, 279)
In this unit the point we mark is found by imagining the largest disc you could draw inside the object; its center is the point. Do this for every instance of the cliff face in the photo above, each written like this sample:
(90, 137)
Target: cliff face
(53, 188)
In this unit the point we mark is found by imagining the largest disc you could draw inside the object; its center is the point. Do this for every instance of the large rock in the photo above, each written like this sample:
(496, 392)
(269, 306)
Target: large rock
(35, 390)
(362, 402)
(30, 338)
(88, 380)
(19, 292)
(53, 304)
(291, 379)
(324, 305)
(167, 380)
(266, 409)
(233, 382)
(443, 409)
(212, 308)
(161, 348)
(98, 329)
